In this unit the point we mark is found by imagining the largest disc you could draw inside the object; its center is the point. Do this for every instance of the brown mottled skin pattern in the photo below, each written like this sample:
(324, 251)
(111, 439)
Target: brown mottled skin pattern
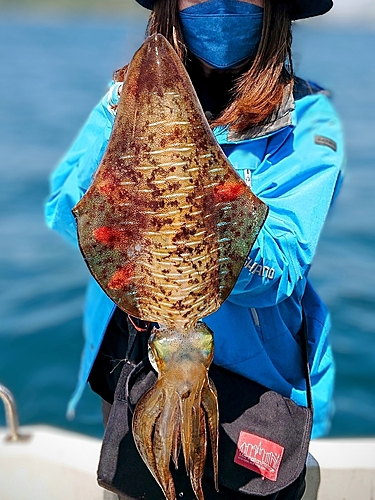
(165, 228)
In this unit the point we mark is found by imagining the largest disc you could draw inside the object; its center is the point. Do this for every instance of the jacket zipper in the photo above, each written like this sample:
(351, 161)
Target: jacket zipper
(255, 316)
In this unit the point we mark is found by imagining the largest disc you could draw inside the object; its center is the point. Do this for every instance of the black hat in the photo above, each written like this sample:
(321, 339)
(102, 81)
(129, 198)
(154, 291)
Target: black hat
(300, 9)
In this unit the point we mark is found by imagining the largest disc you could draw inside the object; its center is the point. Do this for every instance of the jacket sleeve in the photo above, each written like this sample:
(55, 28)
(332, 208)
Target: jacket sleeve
(72, 177)
(298, 179)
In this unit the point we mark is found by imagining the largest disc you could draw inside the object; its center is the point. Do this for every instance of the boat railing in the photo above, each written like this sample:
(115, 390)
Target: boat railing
(11, 415)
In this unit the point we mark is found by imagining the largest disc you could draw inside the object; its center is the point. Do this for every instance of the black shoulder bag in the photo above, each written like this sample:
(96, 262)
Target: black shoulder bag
(263, 443)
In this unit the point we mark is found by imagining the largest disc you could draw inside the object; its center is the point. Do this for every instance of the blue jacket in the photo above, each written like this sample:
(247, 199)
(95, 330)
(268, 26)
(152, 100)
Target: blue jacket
(294, 165)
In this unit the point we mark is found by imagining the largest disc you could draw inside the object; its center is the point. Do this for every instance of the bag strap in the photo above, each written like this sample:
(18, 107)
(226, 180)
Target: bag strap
(131, 368)
(305, 355)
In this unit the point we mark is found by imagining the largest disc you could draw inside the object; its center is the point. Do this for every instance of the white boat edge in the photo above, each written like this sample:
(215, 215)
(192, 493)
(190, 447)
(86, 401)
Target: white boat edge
(56, 464)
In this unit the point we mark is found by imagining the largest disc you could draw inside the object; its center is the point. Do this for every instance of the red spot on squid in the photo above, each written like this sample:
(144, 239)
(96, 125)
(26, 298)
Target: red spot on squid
(107, 185)
(228, 191)
(120, 278)
(109, 236)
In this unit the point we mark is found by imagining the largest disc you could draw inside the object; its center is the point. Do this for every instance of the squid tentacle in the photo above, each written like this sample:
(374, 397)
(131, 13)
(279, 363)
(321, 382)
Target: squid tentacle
(176, 445)
(163, 445)
(198, 453)
(145, 415)
(189, 407)
(210, 405)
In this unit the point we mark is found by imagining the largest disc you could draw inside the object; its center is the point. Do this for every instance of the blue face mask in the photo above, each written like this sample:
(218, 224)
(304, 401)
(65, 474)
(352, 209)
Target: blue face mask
(223, 33)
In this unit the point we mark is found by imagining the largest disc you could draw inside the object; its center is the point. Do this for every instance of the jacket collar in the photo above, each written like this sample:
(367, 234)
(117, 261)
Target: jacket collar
(281, 119)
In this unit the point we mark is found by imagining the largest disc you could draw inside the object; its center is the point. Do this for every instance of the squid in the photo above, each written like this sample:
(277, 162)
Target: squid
(165, 228)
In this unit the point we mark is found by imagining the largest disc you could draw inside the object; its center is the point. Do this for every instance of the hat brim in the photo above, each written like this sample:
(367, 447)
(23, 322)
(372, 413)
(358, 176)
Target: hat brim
(300, 9)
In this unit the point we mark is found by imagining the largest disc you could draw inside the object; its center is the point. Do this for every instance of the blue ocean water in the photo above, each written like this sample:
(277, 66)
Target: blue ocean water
(53, 71)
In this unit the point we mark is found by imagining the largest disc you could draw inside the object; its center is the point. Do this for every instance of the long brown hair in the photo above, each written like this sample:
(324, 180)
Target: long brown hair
(257, 93)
